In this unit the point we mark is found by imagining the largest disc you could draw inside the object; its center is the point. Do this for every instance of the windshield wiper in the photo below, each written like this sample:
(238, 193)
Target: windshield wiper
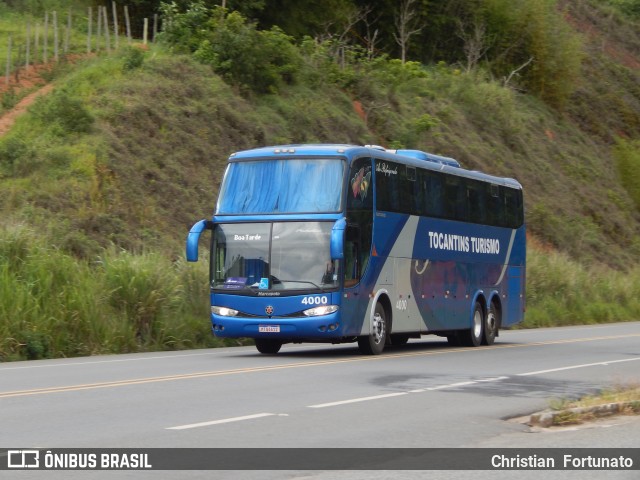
(304, 281)
(232, 287)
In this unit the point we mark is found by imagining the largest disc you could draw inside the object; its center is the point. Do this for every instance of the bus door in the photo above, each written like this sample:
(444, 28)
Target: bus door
(357, 242)
(354, 301)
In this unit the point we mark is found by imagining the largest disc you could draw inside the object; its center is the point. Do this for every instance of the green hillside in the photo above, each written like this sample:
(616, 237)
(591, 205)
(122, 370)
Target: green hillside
(101, 179)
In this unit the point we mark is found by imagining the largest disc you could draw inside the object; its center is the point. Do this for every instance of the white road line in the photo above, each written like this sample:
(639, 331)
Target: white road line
(451, 385)
(494, 379)
(572, 367)
(356, 400)
(459, 384)
(224, 420)
(418, 390)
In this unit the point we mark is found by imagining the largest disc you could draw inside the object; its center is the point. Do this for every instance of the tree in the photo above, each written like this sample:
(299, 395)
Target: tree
(405, 22)
(475, 43)
(371, 37)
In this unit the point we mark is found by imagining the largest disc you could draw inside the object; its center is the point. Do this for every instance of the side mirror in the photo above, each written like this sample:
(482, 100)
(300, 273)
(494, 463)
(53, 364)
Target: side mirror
(194, 237)
(337, 239)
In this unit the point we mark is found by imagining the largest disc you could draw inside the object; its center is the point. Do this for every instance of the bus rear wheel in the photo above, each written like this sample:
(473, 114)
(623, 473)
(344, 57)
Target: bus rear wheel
(473, 337)
(268, 346)
(373, 344)
(490, 326)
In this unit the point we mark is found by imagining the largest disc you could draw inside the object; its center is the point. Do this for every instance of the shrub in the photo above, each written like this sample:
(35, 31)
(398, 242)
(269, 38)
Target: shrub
(254, 60)
(63, 113)
(133, 58)
(627, 156)
(184, 31)
(15, 155)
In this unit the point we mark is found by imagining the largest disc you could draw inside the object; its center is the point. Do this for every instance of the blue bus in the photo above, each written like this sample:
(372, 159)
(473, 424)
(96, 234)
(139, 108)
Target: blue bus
(343, 243)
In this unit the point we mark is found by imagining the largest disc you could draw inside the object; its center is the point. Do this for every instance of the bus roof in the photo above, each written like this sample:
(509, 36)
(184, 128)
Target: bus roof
(415, 158)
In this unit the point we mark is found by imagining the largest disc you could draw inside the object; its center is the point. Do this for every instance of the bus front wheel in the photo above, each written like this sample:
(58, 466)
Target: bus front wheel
(373, 344)
(268, 346)
(473, 336)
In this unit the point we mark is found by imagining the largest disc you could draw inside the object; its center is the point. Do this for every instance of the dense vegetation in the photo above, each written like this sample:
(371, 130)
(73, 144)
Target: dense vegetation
(101, 179)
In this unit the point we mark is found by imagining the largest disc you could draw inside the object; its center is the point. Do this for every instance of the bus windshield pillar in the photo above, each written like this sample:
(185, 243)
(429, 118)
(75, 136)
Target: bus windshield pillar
(337, 239)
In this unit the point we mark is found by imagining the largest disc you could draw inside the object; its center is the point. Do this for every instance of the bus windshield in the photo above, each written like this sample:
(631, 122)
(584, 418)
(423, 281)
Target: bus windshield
(256, 257)
(282, 186)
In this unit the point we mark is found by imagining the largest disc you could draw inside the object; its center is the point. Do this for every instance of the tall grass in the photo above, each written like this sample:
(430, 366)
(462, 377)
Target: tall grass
(561, 292)
(55, 305)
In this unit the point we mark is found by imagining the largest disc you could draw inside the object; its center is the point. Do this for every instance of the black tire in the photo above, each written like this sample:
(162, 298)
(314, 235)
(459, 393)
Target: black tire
(373, 344)
(268, 346)
(491, 325)
(473, 336)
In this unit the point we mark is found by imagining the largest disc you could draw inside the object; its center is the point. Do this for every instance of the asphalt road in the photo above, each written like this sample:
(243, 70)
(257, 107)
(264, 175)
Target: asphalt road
(425, 394)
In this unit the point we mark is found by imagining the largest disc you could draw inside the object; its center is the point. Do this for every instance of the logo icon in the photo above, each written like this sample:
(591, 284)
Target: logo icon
(23, 459)
(360, 183)
(269, 310)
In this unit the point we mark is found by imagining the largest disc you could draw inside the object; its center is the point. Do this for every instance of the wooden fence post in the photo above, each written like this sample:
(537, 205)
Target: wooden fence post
(89, 25)
(45, 53)
(8, 69)
(99, 29)
(115, 24)
(18, 65)
(55, 35)
(145, 31)
(155, 26)
(127, 23)
(106, 29)
(36, 42)
(67, 33)
(28, 52)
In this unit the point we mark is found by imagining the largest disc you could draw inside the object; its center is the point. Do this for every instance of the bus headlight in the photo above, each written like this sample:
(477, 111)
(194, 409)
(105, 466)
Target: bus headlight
(321, 310)
(224, 311)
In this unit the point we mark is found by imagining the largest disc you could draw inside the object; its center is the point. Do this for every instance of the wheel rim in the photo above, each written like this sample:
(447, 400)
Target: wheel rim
(477, 323)
(378, 329)
(491, 323)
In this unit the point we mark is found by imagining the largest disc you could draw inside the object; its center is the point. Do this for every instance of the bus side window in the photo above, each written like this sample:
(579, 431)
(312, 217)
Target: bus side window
(456, 199)
(513, 207)
(476, 198)
(434, 205)
(359, 233)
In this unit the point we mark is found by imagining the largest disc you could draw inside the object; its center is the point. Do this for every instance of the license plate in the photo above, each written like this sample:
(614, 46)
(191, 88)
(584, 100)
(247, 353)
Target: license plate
(269, 328)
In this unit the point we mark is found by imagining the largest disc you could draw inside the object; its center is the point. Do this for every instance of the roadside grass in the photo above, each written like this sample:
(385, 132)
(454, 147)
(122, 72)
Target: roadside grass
(618, 393)
(55, 305)
(561, 291)
(621, 399)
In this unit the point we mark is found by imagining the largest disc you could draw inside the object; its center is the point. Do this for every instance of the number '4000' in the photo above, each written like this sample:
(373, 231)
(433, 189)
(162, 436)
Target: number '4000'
(315, 300)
